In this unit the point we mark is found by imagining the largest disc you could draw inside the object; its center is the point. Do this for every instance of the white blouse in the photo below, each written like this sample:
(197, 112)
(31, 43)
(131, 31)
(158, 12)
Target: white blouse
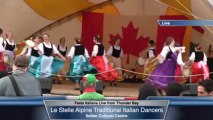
(10, 43)
(72, 52)
(151, 52)
(62, 48)
(109, 52)
(95, 50)
(1, 46)
(41, 47)
(166, 50)
(192, 57)
(25, 51)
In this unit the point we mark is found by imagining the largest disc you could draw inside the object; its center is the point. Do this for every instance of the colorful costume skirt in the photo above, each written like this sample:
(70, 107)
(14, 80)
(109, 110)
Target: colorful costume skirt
(150, 67)
(62, 73)
(33, 59)
(200, 70)
(10, 56)
(79, 67)
(116, 63)
(8, 59)
(46, 66)
(102, 67)
(179, 73)
(184, 72)
(163, 73)
(3, 66)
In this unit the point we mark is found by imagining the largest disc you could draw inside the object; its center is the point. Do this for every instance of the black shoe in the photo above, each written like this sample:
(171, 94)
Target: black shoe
(104, 87)
(76, 88)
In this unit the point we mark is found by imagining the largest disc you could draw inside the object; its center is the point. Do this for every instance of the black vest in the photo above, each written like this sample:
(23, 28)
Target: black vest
(62, 52)
(7, 46)
(79, 50)
(147, 54)
(199, 56)
(169, 55)
(115, 52)
(34, 53)
(48, 51)
(100, 50)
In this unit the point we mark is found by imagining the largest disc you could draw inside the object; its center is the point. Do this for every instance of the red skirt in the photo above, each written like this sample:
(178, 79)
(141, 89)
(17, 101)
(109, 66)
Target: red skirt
(196, 69)
(102, 68)
(179, 73)
(2, 64)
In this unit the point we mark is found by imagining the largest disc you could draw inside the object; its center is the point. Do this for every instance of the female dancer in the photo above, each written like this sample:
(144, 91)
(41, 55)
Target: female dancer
(10, 49)
(199, 65)
(47, 64)
(2, 64)
(151, 50)
(100, 61)
(62, 48)
(9, 43)
(28, 43)
(80, 65)
(116, 53)
(168, 60)
(33, 52)
(181, 66)
(1, 39)
(150, 54)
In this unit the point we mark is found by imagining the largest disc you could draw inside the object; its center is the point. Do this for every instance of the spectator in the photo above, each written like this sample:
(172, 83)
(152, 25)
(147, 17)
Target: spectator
(205, 88)
(23, 84)
(90, 93)
(175, 89)
(146, 90)
(210, 61)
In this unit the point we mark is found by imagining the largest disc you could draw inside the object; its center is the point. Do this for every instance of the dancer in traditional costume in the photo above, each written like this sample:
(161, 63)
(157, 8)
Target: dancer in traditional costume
(168, 60)
(150, 54)
(1, 38)
(199, 66)
(62, 48)
(149, 65)
(47, 64)
(10, 49)
(25, 49)
(33, 52)
(100, 61)
(116, 53)
(182, 68)
(80, 65)
(2, 63)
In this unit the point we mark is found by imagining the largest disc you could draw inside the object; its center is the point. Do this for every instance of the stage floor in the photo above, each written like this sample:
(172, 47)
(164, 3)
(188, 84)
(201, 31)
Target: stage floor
(121, 90)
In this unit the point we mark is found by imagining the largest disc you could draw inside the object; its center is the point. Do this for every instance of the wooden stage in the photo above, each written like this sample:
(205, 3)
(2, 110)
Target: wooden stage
(121, 90)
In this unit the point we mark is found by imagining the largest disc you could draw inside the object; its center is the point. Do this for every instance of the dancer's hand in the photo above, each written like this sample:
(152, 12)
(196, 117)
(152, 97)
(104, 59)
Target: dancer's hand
(186, 66)
(63, 58)
(189, 63)
(91, 58)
